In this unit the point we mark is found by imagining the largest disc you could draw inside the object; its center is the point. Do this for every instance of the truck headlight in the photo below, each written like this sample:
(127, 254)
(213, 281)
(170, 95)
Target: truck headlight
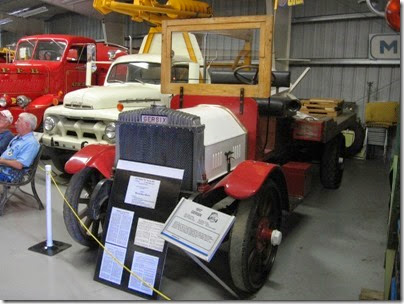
(3, 102)
(110, 131)
(23, 101)
(49, 123)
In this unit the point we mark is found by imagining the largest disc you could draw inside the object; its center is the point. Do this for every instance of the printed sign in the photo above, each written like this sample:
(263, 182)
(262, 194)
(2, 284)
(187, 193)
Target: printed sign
(384, 46)
(197, 229)
(142, 192)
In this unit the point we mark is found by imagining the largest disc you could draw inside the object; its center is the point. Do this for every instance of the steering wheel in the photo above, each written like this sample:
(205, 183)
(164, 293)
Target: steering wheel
(244, 78)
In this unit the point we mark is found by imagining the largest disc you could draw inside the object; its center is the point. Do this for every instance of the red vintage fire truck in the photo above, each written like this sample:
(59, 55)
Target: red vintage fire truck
(46, 67)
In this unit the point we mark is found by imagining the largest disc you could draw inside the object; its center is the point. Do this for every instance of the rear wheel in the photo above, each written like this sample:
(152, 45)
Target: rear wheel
(332, 163)
(78, 194)
(251, 256)
(357, 144)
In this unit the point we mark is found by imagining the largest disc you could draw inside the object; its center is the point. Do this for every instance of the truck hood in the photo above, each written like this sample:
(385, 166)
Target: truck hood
(108, 96)
(22, 79)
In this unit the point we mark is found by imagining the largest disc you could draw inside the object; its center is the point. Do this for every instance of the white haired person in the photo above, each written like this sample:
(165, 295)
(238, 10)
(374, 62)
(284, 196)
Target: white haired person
(21, 151)
(6, 119)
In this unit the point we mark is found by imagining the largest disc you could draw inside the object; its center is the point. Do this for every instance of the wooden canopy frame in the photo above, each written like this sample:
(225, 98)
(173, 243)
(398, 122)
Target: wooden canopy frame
(262, 23)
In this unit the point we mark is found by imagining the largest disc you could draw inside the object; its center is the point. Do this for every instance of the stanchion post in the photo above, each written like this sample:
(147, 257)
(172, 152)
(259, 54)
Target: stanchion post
(49, 238)
(49, 247)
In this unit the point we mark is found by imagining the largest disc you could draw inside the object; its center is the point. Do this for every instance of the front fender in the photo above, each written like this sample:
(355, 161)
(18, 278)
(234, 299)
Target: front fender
(248, 177)
(100, 157)
(36, 107)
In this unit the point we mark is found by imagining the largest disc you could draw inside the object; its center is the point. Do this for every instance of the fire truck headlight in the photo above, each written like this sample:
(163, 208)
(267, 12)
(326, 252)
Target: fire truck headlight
(110, 131)
(23, 101)
(3, 102)
(49, 123)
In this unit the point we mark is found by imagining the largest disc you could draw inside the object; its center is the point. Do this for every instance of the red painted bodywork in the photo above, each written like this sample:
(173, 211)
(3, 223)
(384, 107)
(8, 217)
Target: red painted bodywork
(246, 179)
(298, 178)
(53, 79)
(100, 157)
(249, 118)
(308, 130)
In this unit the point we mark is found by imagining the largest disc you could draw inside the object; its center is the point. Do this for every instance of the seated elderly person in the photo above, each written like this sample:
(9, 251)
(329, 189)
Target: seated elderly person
(6, 119)
(21, 151)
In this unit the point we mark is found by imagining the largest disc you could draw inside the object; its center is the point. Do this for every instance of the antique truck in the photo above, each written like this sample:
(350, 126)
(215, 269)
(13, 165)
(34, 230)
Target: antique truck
(88, 115)
(233, 141)
(46, 67)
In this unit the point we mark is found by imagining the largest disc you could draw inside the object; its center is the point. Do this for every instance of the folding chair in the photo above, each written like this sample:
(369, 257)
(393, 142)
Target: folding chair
(29, 177)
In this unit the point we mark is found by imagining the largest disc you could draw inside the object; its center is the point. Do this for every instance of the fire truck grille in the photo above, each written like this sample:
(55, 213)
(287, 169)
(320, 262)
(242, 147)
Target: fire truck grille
(177, 144)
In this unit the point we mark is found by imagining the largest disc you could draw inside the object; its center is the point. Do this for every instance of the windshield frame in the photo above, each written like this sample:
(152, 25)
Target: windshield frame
(36, 42)
(111, 77)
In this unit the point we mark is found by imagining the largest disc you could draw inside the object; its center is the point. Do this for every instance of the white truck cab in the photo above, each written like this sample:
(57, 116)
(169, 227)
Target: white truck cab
(88, 116)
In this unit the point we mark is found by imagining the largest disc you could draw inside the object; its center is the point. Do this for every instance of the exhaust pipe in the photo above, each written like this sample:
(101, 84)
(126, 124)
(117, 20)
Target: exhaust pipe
(278, 106)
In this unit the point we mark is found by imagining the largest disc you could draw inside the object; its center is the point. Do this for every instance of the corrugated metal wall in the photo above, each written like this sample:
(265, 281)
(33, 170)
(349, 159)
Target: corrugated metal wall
(8, 38)
(74, 24)
(336, 40)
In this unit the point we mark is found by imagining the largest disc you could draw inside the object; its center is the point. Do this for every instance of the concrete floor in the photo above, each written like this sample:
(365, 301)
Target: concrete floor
(333, 246)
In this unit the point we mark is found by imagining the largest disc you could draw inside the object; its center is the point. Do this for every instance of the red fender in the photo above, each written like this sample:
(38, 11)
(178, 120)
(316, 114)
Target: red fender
(247, 178)
(100, 157)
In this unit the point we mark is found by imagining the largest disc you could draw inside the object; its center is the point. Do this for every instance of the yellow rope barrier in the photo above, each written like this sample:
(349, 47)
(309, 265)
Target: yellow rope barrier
(103, 247)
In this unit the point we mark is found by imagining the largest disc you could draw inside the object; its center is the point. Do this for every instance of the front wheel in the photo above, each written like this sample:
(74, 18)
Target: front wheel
(251, 255)
(78, 194)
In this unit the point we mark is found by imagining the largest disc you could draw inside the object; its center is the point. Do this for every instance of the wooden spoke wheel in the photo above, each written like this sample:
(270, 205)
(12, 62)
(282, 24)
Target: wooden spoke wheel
(251, 254)
(78, 194)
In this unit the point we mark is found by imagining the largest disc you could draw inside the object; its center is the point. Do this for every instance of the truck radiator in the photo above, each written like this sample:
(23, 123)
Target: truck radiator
(179, 143)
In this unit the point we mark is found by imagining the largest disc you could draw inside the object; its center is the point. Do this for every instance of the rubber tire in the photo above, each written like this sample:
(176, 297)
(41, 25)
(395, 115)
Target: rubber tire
(243, 230)
(73, 192)
(357, 144)
(331, 170)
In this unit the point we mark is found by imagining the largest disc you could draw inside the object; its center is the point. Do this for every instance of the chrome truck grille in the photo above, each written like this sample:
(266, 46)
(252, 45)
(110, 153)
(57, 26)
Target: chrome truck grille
(176, 140)
(81, 129)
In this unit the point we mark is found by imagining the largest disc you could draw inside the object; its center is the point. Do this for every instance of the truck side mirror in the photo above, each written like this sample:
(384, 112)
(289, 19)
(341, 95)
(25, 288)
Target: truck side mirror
(72, 55)
(193, 72)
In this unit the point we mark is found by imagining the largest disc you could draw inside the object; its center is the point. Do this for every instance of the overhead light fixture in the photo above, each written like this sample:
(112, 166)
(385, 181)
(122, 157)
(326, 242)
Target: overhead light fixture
(72, 2)
(5, 21)
(19, 11)
(26, 12)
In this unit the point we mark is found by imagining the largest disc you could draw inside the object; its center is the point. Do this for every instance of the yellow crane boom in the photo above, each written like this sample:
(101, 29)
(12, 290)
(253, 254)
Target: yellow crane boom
(154, 12)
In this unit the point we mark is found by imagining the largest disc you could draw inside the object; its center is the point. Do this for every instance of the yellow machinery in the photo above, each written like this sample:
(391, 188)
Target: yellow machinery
(7, 54)
(154, 12)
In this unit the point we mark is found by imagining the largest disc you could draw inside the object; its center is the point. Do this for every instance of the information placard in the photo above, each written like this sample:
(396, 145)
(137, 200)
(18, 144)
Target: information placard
(197, 229)
(142, 198)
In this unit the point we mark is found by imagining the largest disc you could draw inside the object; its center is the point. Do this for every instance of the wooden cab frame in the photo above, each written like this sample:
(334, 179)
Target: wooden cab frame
(264, 24)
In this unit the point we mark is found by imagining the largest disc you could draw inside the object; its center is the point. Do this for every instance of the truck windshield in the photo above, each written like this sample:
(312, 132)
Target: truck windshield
(143, 72)
(25, 50)
(49, 50)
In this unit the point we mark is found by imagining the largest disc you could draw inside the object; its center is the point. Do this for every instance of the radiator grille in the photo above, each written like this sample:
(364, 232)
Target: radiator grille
(179, 144)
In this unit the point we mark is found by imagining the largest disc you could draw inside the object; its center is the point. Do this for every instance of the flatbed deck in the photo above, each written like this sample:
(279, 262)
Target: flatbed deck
(328, 127)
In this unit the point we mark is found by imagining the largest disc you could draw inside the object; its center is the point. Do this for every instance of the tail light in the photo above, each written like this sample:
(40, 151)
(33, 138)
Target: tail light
(393, 14)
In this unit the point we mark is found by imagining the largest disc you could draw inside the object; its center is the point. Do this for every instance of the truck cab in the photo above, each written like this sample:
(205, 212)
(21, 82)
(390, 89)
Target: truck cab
(45, 68)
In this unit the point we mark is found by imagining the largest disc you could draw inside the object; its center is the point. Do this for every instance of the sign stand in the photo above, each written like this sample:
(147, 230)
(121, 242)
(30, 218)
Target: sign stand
(142, 197)
(212, 274)
(49, 247)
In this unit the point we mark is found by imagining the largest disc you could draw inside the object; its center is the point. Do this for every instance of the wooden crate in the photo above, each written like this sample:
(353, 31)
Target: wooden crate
(322, 106)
